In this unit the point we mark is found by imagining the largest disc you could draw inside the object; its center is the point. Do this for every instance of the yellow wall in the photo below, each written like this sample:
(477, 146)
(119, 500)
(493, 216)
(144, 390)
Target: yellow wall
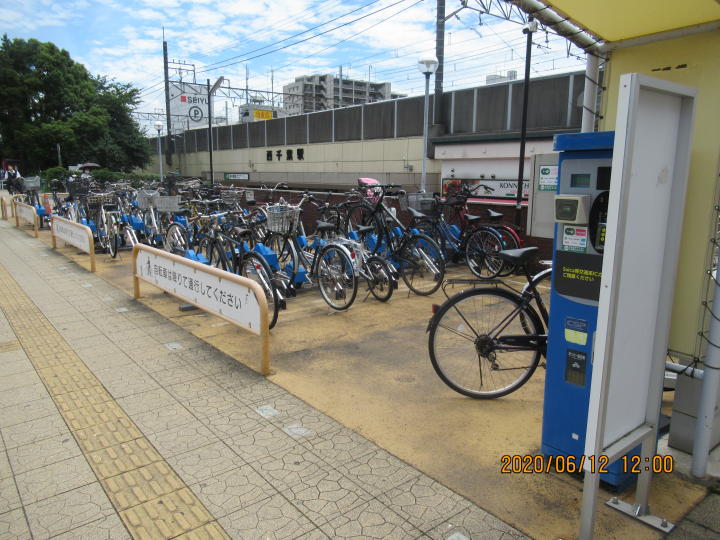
(701, 53)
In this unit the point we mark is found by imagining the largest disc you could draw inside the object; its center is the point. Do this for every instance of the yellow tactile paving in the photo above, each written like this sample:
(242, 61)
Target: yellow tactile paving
(142, 485)
(122, 458)
(82, 398)
(86, 417)
(167, 516)
(151, 499)
(107, 434)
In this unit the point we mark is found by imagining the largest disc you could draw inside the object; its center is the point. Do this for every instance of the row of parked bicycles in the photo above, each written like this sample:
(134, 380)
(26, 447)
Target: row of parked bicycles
(485, 341)
(358, 240)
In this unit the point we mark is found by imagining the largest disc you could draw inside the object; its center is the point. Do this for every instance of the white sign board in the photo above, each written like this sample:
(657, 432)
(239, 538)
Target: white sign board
(207, 290)
(650, 165)
(645, 216)
(26, 213)
(189, 101)
(72, 233)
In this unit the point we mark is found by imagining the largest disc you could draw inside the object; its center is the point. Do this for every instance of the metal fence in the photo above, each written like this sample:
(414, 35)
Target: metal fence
(554, 103)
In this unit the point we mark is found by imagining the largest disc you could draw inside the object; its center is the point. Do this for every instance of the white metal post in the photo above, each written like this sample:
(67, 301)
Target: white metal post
(423, 178)
(592, 74)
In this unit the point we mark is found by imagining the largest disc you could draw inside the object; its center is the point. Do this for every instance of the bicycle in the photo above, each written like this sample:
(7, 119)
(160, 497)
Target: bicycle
(486, 342)
(417, 257)
(300, 261)
(462, 235)
(231, 252)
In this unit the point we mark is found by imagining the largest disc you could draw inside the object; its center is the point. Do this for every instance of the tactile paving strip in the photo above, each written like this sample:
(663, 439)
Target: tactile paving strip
(151, 499)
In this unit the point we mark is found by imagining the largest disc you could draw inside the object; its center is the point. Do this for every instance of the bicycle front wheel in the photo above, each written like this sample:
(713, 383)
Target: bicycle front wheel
(471, 346)
(256, 268)
(379, 278)
(176, 239)
(336, 277)
(421, 264)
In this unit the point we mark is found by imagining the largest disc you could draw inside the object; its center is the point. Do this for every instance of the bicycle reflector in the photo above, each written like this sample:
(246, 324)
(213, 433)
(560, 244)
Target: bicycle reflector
(435, 308)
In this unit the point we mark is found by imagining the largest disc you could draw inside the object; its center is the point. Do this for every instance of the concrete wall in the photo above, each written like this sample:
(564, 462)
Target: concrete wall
(692, 61)
(397, 161)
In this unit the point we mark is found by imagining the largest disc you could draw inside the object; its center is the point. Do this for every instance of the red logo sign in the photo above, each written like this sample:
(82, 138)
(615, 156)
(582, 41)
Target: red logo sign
(183, 99)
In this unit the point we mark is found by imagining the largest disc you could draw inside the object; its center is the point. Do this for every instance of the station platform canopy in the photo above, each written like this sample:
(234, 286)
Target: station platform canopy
(612, 21)
(617, 20)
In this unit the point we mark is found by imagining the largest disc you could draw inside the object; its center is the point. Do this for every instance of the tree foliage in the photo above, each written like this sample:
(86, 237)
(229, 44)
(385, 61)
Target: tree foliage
(46, 98)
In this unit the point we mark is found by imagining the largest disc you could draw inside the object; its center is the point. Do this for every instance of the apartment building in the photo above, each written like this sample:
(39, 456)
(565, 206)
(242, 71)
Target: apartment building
(320, 92)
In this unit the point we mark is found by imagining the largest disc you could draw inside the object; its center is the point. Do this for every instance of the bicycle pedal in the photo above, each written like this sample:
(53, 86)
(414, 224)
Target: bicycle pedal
(282, 304)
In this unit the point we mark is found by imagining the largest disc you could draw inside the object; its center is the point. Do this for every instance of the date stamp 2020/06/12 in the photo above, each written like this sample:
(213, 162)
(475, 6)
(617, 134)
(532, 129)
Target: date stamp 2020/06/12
(527, 464)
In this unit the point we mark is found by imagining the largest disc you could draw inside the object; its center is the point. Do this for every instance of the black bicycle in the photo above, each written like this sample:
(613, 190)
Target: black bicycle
(486, 342)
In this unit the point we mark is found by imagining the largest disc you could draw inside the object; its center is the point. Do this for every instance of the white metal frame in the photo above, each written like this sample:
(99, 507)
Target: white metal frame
(645, 214)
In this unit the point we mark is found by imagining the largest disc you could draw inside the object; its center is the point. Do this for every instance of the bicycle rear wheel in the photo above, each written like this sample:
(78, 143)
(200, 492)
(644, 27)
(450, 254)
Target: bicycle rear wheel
(467, 347)
(421, 264)
(481, 253)
(509, 241)
(256, 268)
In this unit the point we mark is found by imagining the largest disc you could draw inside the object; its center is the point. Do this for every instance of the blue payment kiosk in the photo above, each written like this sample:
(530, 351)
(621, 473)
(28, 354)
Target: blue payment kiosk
(581, 207)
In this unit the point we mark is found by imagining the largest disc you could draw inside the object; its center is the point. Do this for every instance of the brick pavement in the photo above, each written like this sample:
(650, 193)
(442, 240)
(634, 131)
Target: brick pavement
(116, 423)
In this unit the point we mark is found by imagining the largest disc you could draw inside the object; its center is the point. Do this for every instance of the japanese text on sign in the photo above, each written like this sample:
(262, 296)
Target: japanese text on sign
(72, 233)
(207, 290)
(25, 212)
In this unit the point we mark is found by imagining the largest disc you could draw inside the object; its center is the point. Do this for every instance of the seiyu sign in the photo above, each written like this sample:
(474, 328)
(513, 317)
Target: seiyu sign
(190, 101)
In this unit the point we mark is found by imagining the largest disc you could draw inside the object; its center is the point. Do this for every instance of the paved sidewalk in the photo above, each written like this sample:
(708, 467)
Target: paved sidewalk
(116, 423)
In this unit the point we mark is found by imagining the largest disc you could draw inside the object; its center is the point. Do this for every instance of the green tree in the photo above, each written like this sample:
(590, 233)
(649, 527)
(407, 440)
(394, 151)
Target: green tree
(47, 98)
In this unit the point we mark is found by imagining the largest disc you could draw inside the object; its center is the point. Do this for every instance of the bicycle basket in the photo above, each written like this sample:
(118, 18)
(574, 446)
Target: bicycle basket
(77, 187)
(232, 195)
(96, 199)
(423, 202)
(282, 219)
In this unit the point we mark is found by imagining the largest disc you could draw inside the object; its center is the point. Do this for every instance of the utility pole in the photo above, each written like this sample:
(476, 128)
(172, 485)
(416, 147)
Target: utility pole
(528, 29)
(440, 55)
(60, 157)
(367, 86)
(169, 145)
(272, 88)
(210, 133)
(247, 90)
(340, 91)
(210, 92)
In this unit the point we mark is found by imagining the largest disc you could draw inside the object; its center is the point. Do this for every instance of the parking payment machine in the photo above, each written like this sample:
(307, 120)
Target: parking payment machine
(580, 218)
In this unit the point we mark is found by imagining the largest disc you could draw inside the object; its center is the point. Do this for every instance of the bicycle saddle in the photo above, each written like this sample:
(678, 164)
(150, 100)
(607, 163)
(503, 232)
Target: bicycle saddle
(473, 219)
(518, 256)
(493, 214)
(239, 231)
(416, 215)
(362, 229)
(324, 226)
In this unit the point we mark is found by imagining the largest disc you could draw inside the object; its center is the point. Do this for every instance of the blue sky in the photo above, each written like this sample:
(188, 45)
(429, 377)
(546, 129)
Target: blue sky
(123, 40)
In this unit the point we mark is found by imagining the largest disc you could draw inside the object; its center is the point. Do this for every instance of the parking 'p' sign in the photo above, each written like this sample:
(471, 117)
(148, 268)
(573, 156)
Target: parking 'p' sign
(195, 114)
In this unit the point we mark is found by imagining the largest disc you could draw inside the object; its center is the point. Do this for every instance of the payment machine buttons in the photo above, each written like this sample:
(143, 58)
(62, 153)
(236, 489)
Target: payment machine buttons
(575, 367)
(576, 331)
